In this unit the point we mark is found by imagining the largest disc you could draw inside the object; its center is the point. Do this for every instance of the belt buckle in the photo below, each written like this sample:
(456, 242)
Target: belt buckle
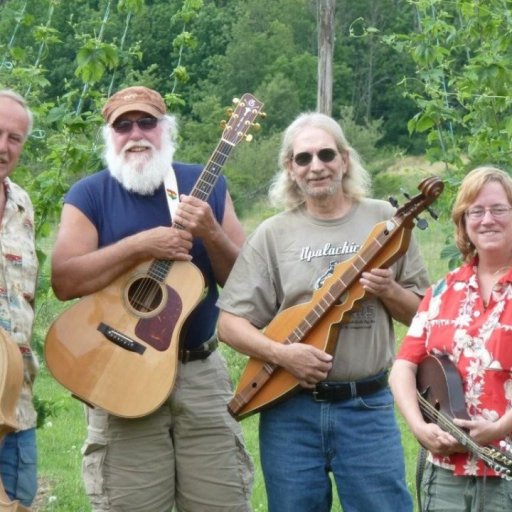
(319, 389)
(316, 397)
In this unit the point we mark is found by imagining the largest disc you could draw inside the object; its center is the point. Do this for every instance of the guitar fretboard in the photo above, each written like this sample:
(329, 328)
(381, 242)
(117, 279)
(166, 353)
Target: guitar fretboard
(206, 181)
(342, 283)
(494, 458)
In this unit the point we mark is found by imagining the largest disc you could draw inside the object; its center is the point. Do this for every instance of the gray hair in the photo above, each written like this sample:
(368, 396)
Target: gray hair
(285, 192)
(8, 93)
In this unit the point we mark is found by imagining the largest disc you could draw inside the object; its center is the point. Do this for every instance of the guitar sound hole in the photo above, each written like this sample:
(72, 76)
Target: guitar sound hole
(145, 295)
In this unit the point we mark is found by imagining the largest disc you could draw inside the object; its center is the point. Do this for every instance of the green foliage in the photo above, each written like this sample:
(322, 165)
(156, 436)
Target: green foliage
(94, 58)
(250, 172)
(462, 54)
(282, 101)
(363, 137)
(47, 409)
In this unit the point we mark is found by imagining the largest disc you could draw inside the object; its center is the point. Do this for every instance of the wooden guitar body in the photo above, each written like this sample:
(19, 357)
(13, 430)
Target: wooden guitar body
(317, 321)
(439, 383)
(441, 399)
(113, 354)
(314, 323)
(11, 381)
(118, 348)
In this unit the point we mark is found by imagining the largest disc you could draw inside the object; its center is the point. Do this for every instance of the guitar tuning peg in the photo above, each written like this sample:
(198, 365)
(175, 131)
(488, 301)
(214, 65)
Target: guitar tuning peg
(263, 115)
(229, 111)
(235, 101)
(421, 223)
(433, 214)
(406, 195)
(248, 137)
(256, 126)
(223, 124)
(393, 201)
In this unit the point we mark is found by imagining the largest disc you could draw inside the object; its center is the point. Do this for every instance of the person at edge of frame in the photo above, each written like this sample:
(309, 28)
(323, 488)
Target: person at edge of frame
(18, 282)
(466, 317)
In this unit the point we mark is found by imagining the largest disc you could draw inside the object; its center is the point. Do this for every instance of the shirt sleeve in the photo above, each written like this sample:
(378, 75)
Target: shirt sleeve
(250, 291)
(413, 346)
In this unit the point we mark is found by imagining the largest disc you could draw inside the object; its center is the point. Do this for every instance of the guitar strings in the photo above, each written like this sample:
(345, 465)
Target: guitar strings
(442, 420)
(487, 454)
(145, 293)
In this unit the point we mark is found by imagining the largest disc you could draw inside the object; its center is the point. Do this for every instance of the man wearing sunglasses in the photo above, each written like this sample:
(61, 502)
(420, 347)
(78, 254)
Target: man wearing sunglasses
(342, 421)
(189, 453)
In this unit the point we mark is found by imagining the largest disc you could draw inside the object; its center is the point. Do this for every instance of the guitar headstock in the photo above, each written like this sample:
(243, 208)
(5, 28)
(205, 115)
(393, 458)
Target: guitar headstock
(430, 189)
(498, 459)
(241, 120)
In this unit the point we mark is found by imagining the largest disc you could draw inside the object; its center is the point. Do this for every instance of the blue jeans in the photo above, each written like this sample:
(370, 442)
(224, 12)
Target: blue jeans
(357, 440)
(18, 465)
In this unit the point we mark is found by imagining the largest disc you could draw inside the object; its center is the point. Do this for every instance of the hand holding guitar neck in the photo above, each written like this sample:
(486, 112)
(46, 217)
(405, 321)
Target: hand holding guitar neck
(441, 399)
(118, 349)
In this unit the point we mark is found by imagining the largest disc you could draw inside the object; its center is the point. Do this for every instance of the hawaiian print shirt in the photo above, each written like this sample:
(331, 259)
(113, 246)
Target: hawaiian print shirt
(453, 320)
(18, 275)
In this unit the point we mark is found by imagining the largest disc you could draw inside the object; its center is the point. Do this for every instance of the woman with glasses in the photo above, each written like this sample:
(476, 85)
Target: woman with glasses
(342, 422)
(464, 328)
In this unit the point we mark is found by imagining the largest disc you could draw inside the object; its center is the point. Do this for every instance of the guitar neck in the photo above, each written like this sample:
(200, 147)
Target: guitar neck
(342, 280)
(494, 458)
(212, 170)
(433, 415)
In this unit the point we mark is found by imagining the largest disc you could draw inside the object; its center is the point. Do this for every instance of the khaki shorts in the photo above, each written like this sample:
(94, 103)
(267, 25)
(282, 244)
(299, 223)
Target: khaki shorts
(189, 453)
(444, 492)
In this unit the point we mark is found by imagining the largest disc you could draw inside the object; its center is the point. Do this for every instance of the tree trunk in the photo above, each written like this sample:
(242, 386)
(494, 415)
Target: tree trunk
(325, 17)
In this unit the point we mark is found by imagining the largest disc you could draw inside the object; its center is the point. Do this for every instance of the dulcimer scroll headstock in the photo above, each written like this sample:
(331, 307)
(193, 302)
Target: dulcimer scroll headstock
(430, 189)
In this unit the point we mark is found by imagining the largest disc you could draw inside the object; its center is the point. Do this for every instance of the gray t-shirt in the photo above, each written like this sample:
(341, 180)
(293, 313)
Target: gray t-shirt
(290, 255)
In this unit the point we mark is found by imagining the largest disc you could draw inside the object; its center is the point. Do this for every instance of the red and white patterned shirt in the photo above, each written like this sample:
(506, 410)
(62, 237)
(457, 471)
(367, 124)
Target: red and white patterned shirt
(453, 320)
(18, 276)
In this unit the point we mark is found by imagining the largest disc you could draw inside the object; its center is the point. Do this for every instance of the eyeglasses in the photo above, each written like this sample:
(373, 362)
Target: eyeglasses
(144, 123)
(325, 155)
(498, 211)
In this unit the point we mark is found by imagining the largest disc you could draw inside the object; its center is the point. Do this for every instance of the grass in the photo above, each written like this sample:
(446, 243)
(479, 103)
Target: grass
(61, 437)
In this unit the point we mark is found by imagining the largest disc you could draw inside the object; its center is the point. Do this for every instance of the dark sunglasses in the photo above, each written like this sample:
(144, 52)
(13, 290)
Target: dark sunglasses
(126, 125)
(325, 155)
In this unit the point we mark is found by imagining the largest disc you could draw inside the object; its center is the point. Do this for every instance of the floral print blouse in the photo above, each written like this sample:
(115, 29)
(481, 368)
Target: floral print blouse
(18, 276)
(452, 319)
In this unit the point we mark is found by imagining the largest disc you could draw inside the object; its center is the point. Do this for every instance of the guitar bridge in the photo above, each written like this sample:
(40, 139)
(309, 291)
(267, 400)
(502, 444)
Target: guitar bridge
(121, 339)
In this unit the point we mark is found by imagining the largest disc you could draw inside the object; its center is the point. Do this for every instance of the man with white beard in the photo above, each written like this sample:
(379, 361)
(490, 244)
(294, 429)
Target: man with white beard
(189, 453)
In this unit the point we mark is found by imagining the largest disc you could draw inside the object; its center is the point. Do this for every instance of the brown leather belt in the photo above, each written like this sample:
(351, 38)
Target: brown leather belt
(199, 353)
(336, 391)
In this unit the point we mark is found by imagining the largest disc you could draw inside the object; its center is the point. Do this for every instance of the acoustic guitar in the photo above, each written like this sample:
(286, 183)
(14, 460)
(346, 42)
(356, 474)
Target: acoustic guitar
(118, 349)
(441, 399)
(11, 381)
(316, 322)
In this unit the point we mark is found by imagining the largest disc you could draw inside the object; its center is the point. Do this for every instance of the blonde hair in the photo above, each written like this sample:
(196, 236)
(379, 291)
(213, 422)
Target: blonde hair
(285, 192)
(469, 189)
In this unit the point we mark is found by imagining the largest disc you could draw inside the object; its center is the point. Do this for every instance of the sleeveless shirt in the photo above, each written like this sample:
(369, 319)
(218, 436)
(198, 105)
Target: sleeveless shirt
(117, 213)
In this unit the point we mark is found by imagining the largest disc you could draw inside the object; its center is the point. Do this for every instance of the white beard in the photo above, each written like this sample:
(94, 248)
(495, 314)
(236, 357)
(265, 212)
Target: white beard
(141, 172)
